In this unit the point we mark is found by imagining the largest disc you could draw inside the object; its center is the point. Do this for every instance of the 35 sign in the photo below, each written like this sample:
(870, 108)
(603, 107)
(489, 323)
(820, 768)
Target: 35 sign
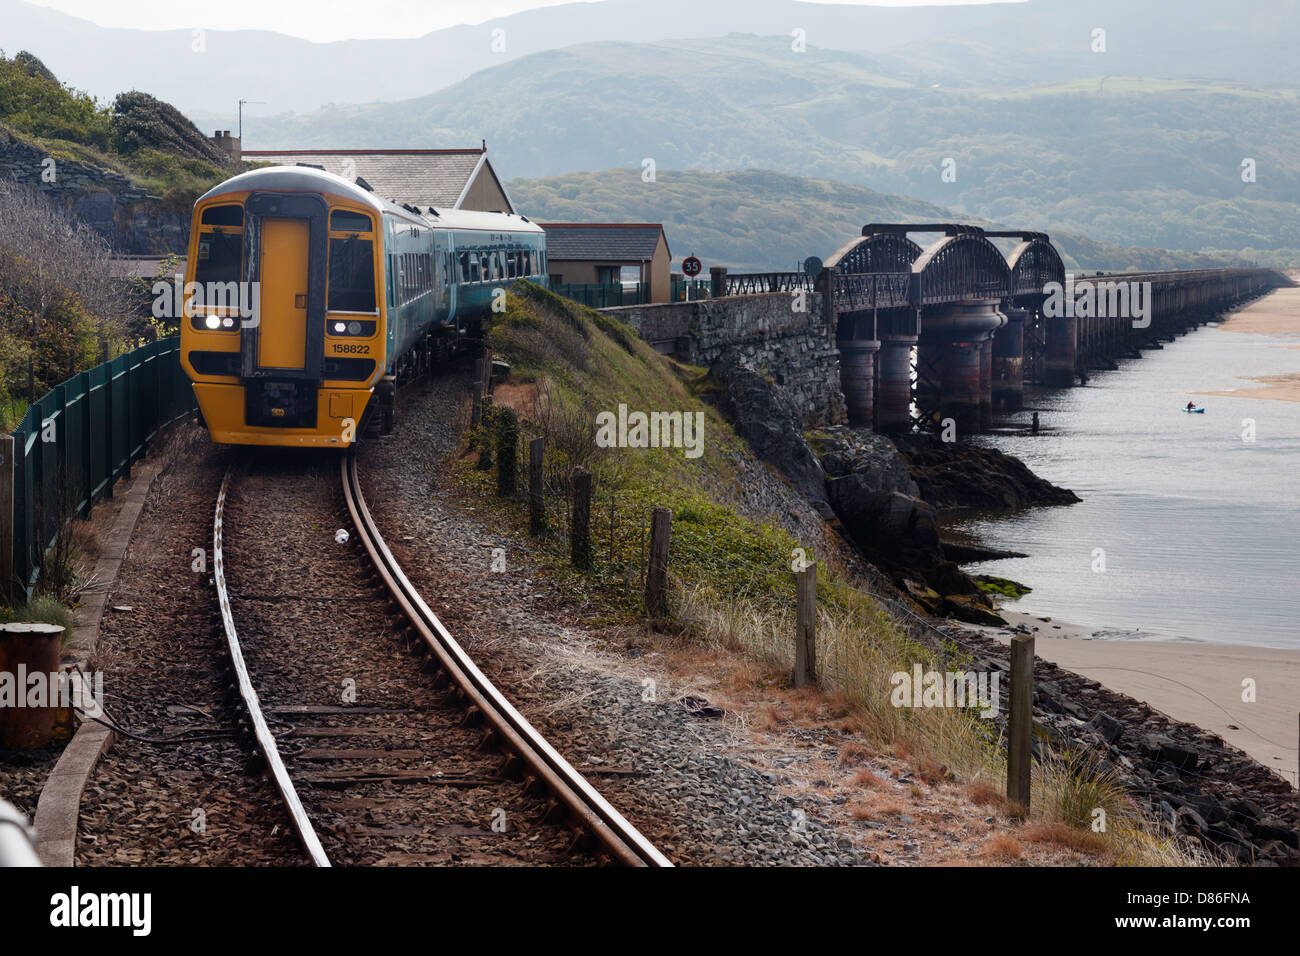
(692, 266)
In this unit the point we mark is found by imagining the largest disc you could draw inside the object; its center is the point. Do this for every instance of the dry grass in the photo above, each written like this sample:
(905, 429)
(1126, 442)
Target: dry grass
(868, 779)
(1002, 847)
(984, 794)
(1064, 835)
(859, 649)
(853, 753)
(876, 807)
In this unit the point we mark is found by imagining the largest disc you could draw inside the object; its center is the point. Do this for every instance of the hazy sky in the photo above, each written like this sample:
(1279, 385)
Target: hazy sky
(322, 20)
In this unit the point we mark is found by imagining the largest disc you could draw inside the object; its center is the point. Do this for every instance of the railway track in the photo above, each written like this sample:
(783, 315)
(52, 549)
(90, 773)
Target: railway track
(458, 741)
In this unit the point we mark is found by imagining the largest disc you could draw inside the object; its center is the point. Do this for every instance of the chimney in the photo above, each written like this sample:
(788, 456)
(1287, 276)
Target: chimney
(227, 144)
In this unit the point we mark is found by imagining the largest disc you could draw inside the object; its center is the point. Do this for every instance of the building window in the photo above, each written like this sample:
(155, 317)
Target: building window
(609, 275)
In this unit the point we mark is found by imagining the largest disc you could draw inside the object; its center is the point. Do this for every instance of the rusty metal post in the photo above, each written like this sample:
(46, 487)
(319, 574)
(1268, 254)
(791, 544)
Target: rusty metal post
(27, 650)
(656, 579)
(1020, 724)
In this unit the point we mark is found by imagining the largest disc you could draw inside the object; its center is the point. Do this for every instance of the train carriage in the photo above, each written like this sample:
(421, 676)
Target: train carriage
(307, 297)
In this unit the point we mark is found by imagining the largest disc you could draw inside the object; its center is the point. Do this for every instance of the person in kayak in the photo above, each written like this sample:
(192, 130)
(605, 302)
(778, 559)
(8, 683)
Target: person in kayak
(1190, 406)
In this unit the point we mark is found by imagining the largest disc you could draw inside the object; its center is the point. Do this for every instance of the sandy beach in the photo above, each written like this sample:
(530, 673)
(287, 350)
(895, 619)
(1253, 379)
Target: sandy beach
(1277, 314)
(1193, 682)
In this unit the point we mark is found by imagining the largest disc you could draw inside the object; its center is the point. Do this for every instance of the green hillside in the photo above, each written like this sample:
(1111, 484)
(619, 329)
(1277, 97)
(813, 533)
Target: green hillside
(756, 220)
(1134, 161)
(148, 141)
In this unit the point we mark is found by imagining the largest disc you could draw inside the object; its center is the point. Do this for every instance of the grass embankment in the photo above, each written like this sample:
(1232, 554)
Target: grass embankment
(731, 579)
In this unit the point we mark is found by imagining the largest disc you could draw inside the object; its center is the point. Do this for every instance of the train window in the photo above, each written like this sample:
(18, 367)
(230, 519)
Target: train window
(352, 276)
(219, 255)
(473, 268)
(341, 220)
(392, 281)
(223, 216)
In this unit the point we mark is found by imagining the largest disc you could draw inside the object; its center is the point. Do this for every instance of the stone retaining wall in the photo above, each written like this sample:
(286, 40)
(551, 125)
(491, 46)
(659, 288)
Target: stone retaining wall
(794, 347)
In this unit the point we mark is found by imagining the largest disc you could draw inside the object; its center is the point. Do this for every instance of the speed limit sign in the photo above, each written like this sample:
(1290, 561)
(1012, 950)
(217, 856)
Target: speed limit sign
(691, 266)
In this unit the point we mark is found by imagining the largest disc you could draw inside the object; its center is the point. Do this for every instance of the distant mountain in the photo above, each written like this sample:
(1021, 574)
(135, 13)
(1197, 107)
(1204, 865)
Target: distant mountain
(1032, 42)
(759, 221)
(1130, 161)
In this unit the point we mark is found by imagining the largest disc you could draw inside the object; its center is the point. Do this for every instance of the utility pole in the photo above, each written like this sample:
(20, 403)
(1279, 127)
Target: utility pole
(241, 116)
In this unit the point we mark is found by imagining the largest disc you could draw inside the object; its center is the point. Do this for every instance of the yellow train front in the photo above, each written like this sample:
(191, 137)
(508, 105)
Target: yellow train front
(307, 298)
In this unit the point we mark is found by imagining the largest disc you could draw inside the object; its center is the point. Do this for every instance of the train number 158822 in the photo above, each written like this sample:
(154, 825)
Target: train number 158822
(349, 349)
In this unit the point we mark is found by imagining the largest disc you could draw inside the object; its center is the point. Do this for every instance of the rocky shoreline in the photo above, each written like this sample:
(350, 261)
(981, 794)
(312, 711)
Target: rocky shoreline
(1206, 790)
(885, 496)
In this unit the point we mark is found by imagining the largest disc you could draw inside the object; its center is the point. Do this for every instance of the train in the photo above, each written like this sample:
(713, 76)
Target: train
(308, 298)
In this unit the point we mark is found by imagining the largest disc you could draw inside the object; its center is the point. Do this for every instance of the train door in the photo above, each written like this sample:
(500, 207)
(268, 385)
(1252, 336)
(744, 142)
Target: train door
(282, 351)
(282, 330)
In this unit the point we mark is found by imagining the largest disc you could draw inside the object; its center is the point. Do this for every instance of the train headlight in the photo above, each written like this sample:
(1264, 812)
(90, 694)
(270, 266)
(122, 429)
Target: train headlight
(228, 322)
(354, 328)
(214, 322)
(340, 327)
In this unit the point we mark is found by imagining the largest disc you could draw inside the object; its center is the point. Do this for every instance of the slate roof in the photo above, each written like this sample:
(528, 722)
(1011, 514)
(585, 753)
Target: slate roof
(615, 241)
(421, 177)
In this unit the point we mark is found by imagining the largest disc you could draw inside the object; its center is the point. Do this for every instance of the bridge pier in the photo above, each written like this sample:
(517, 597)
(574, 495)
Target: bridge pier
(858, 379)
(1009, 362)
(894, 398)
(1062, 351)
(958, 340)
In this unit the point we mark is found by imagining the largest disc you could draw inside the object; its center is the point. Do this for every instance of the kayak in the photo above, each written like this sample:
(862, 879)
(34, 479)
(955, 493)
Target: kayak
(1195, 411)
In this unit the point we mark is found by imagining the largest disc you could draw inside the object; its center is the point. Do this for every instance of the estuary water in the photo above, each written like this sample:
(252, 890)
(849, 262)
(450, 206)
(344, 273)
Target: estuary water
(1187, 529)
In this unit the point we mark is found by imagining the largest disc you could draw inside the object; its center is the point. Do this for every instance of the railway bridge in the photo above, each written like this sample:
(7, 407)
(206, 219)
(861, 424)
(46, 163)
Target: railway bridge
(957, 328)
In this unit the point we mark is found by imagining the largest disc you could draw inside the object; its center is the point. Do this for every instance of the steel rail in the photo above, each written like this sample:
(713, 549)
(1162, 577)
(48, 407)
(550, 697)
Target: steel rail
(265, 739)
(596, 814)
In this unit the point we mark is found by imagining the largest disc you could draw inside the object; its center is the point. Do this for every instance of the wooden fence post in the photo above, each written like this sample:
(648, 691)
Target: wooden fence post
(580, 536)
(1020, 728)
(656, 578)
(6, 520)
(536, 501)
(805, 637)
(507, 452)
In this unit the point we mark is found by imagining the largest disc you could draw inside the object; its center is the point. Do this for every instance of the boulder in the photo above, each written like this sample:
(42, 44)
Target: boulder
(1109, 728)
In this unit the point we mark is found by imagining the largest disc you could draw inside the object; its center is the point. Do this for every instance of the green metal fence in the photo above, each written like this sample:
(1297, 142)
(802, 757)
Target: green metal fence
(78, 440)
(604, 295)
